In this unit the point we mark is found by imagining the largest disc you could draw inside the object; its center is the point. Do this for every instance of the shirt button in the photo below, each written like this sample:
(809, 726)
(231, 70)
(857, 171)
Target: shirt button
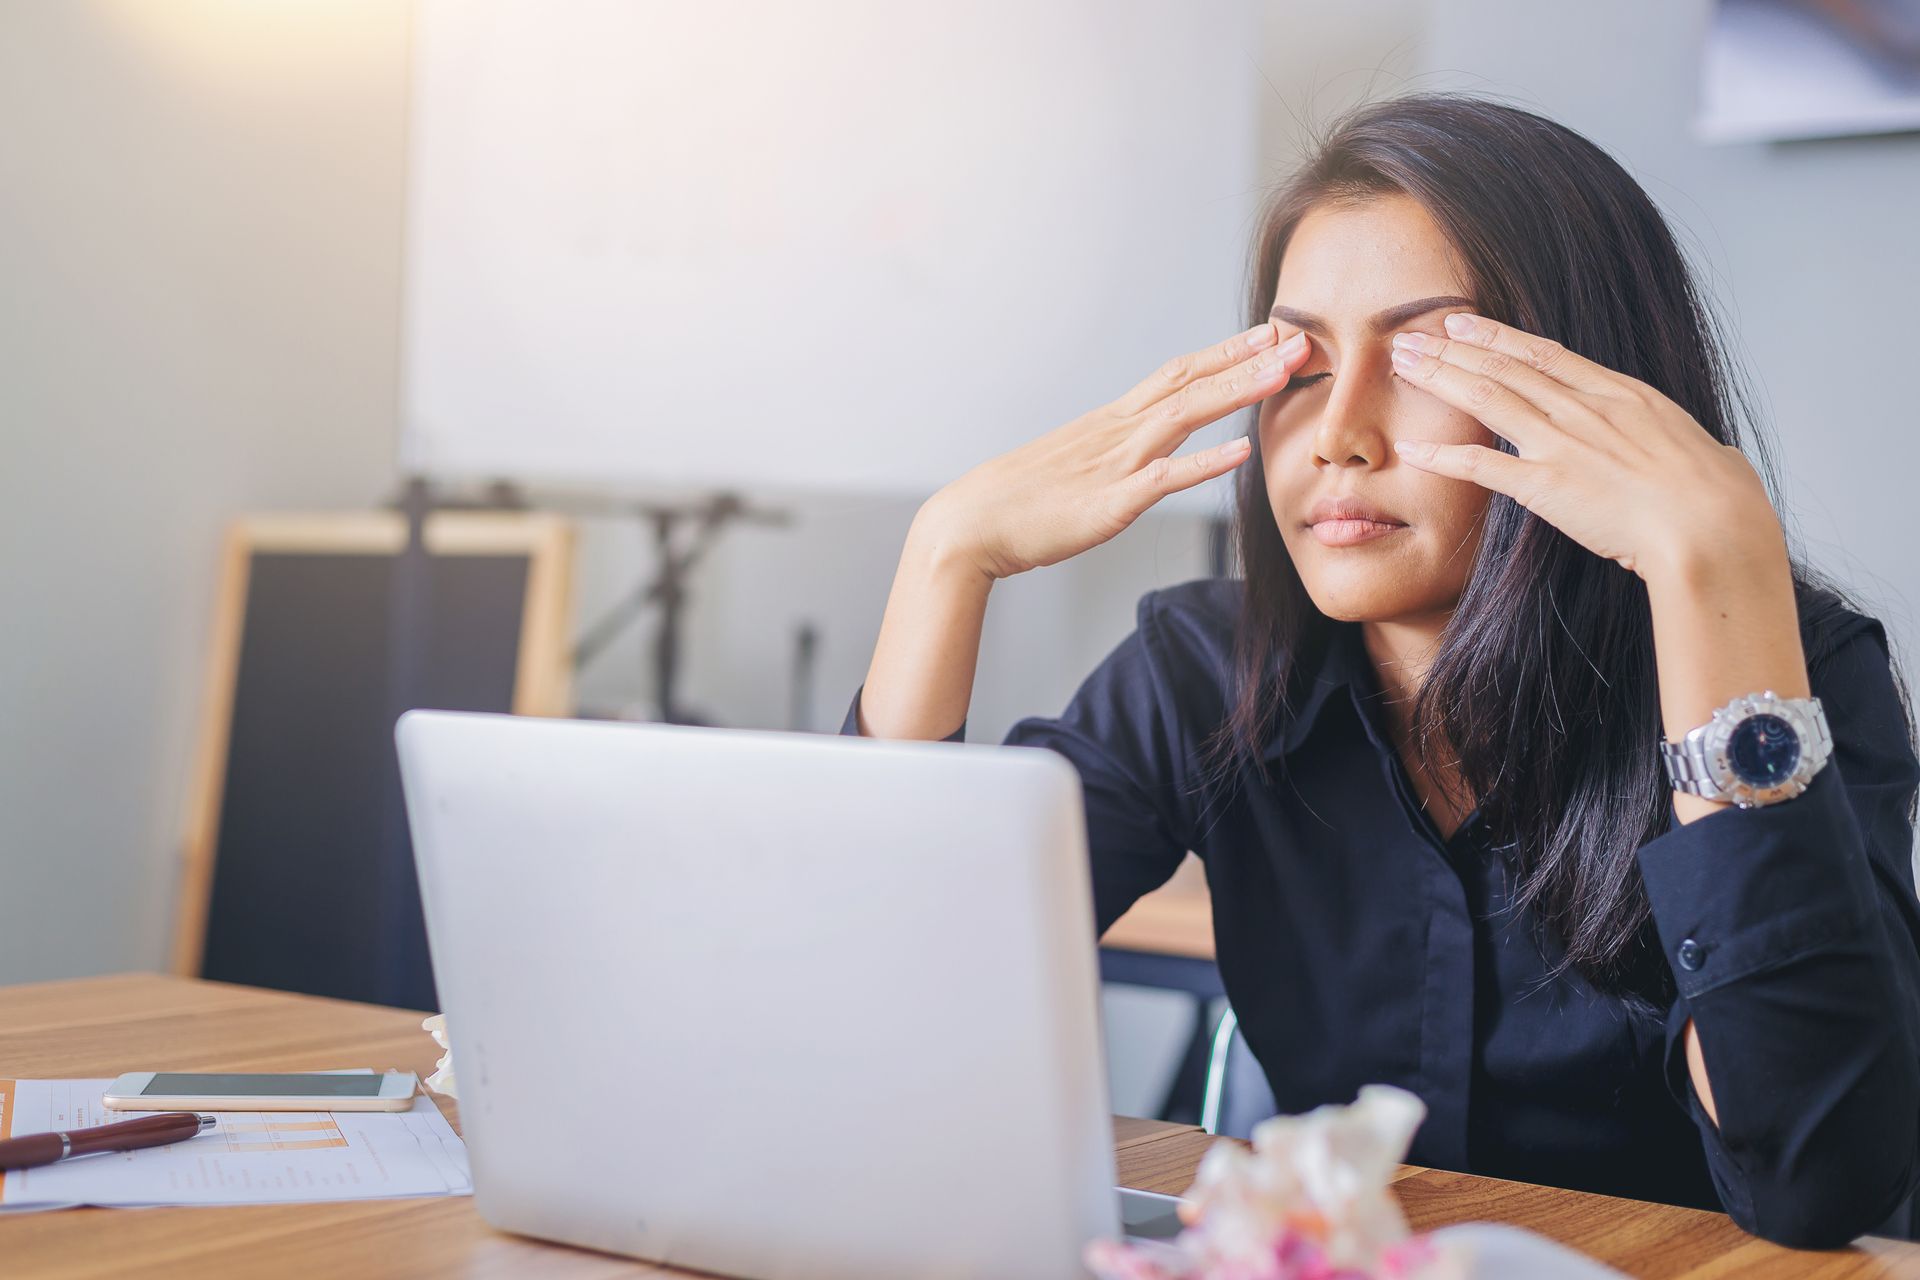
(1691, 955)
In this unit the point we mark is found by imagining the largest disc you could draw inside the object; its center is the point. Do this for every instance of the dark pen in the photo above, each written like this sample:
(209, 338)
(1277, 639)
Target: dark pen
(125, 1135)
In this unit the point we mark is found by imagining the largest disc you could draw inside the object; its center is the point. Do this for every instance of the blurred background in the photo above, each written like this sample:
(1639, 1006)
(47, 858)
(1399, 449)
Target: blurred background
(701, 302)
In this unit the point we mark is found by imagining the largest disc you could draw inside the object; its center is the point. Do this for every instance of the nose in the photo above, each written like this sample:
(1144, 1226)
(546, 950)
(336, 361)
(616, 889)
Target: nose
(1352, 427)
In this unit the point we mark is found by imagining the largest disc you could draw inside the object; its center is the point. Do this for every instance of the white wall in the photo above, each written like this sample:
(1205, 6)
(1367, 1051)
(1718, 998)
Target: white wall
(617, 210)
(199, 273)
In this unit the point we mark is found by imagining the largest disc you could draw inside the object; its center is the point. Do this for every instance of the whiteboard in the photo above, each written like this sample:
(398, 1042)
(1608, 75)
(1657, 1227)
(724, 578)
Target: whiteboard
(855, 246)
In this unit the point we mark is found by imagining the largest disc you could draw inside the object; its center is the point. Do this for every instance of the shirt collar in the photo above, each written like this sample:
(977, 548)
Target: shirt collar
(1339, 669)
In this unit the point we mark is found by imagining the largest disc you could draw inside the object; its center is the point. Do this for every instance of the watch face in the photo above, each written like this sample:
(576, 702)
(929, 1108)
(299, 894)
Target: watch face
(1763, 750)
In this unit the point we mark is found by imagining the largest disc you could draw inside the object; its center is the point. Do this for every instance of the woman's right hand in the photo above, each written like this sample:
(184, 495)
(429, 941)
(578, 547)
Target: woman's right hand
(1046, 501)
(1081, 484)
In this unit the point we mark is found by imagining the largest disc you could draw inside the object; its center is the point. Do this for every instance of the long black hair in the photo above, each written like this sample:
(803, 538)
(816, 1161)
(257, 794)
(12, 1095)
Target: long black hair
(1543, 685)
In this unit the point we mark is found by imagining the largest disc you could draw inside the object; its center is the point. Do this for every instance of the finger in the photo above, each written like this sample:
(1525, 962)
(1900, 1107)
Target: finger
(1208, 399)
(1503, 412)
(1163, 476)
(1558, 403)
(1488, 468)
(1181, 370)
(1544, 354)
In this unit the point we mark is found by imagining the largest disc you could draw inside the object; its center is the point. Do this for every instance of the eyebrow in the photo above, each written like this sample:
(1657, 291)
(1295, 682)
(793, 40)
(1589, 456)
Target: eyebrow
(1391, 318)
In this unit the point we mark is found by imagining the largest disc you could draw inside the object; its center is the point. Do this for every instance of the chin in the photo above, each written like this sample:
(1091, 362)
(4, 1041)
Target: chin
(1352, 607)
(1365, 595)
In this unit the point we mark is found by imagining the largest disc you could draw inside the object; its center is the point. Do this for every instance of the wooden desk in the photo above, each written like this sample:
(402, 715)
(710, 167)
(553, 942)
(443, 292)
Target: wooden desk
(102, 1026)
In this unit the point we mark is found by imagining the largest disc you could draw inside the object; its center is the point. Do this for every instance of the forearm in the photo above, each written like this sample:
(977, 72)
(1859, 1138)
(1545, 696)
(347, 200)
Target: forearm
(1800, 994)
(1725, 624)
(920, 681)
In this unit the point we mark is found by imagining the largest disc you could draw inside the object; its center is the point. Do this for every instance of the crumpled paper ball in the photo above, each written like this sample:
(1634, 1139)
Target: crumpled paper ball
(1309, 1201)
(441, 1081)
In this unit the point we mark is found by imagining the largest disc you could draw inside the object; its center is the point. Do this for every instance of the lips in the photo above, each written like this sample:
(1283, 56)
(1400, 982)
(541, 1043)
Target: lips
(1346, 522)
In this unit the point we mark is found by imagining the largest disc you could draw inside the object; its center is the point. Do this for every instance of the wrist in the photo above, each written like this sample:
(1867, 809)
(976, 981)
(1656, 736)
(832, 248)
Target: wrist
(937, 547)
(1743, 553)
(1725, 625)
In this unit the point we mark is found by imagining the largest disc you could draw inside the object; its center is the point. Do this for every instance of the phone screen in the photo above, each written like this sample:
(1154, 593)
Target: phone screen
(264, 1086)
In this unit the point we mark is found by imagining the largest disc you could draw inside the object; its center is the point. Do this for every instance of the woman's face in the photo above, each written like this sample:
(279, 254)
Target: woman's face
(1352, 277)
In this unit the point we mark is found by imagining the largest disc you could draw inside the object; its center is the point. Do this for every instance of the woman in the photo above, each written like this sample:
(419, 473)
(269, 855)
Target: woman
(1499, 544)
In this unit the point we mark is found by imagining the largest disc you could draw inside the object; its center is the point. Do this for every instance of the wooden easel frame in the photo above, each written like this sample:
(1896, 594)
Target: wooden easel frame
(543, 675)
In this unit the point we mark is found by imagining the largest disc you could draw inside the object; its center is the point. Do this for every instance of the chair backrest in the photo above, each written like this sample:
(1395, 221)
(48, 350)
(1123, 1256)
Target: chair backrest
(1237, 1096)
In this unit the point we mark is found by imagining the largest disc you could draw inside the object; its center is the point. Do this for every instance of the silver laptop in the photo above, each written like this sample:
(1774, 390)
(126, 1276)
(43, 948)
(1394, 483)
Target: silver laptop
(770, 1004)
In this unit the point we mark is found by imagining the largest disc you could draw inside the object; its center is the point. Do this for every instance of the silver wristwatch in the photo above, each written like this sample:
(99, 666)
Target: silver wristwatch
(1758, 749)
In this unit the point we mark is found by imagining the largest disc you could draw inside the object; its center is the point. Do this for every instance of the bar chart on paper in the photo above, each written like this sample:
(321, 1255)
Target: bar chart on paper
(249, 1157)
(281, 1131)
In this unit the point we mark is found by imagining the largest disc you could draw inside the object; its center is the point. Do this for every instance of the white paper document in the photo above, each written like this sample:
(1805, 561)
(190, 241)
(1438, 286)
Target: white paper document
(249, 1157)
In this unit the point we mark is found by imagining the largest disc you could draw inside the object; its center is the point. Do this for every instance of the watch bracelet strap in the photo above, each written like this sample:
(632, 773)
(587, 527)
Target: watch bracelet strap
(1687, 763)
(1684, 770)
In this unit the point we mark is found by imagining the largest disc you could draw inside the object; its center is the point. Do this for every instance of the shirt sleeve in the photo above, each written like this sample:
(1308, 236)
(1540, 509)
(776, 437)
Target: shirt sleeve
(1793, 934)
(851, 726)
(1118, 731)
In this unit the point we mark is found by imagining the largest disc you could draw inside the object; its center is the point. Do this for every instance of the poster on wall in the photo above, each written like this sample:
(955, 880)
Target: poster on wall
(1774, 70)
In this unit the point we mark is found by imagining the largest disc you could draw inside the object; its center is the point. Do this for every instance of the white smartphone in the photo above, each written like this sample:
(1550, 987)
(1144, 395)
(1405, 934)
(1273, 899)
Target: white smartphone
(319, 1091)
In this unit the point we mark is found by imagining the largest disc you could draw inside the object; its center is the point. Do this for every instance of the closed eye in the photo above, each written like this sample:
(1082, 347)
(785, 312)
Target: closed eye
(1297, 381)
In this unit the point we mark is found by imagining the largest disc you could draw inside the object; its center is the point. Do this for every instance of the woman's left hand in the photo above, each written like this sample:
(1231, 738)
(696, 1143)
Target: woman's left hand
(1603, 457)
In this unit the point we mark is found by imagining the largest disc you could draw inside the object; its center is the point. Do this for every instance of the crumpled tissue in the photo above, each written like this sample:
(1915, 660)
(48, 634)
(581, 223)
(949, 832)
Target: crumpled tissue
(1309, 1201)
(441, 1081)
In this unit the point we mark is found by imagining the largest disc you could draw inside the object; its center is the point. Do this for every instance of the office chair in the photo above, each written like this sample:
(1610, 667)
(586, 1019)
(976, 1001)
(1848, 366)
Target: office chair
(1236, 1096)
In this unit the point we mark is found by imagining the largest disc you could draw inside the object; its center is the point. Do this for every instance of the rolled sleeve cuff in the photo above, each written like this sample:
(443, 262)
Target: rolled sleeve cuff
(850, 727)
(1744, 890)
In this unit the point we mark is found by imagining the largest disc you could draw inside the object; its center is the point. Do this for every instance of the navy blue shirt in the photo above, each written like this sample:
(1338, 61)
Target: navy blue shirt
(1358, 945)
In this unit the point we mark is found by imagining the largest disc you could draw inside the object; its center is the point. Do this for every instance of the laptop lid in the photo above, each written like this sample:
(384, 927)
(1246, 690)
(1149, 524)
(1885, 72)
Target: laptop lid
(768, 1004)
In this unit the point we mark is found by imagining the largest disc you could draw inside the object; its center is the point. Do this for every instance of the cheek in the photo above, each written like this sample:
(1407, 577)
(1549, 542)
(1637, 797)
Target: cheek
(1455, 507)
(1276, 422)
(1286, 453)
(1422, 417)
(1451, 511)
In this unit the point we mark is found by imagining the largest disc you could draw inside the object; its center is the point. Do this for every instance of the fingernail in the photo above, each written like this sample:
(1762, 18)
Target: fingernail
(1459, 324)
(1296, 343)
(1260, 335)
(1417, 341)
(1274, 363)
(1404, 360)
(1413, 448)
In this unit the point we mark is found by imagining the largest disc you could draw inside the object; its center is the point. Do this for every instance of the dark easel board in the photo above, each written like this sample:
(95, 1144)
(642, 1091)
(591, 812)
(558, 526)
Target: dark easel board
(298, 871)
